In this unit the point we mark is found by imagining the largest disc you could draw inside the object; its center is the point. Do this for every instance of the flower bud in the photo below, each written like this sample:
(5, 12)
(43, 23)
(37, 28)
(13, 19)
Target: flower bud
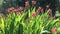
(53, 30)
(39, 8)
(20, 9)
(33, 2)
(49, 11)
(26, 4)
(34, 14)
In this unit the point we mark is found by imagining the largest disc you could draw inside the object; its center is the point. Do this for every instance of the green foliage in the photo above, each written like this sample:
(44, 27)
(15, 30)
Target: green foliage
(15, 23)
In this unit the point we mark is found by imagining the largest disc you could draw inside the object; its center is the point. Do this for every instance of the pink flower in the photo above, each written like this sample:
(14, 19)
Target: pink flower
(47, 6)
(42, 10)
(53, 30)
(20, 9)
(26, 4)
(33, 2)
(34, 14)
(39, 8)
(49, 11)
(17, 12)
(10, 10)
(7, 10)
